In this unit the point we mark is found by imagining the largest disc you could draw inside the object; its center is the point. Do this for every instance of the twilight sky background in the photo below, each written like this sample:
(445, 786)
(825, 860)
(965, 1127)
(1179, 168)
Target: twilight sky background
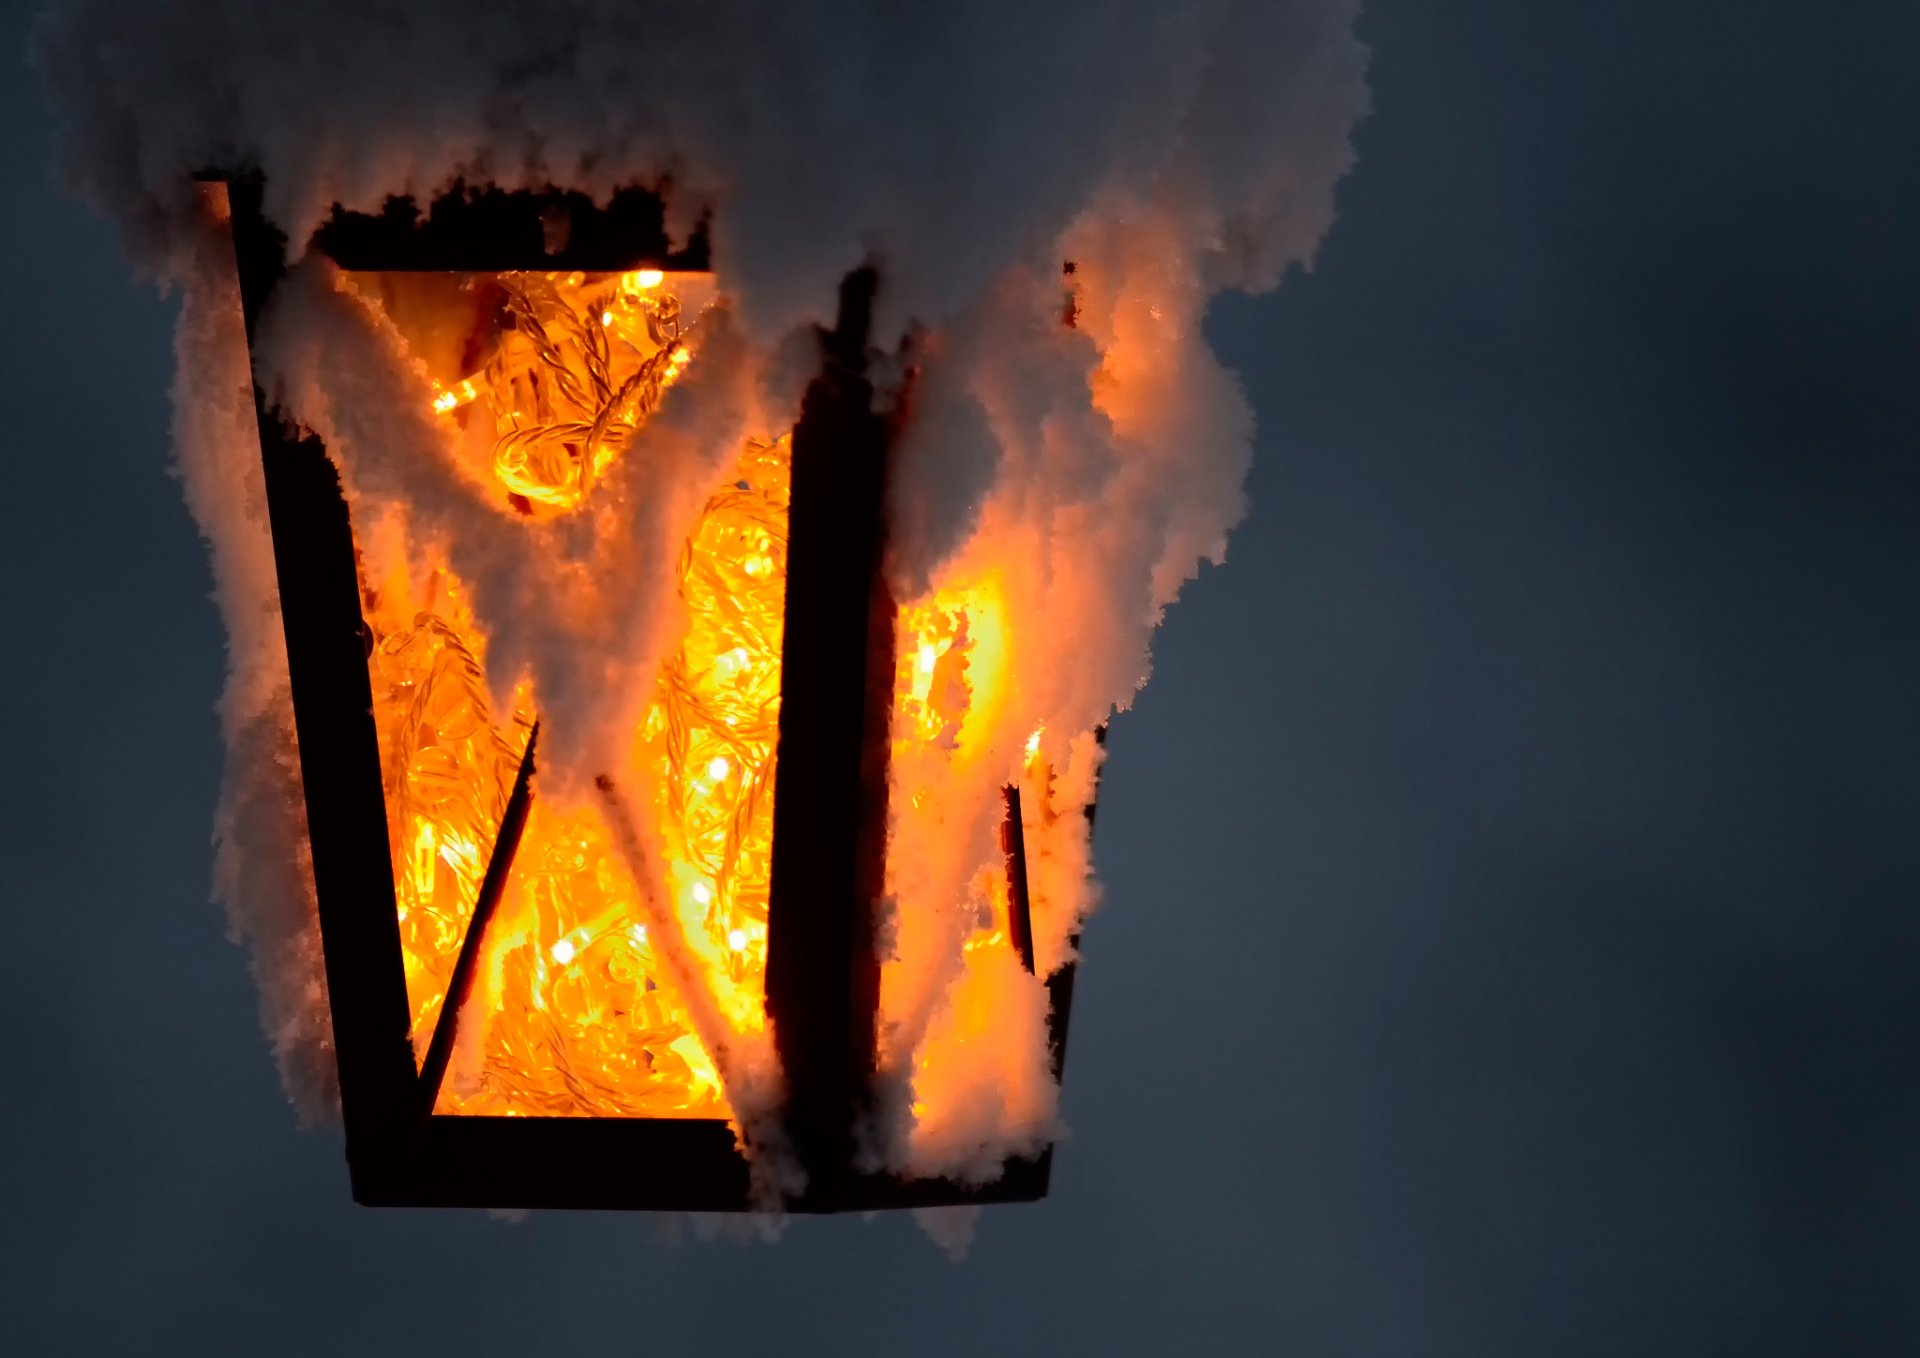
(1513, 904)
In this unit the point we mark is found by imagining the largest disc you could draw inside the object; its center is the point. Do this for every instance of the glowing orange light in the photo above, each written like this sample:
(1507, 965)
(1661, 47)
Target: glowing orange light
(578, 1015)
(451, 399)
(581, 1012)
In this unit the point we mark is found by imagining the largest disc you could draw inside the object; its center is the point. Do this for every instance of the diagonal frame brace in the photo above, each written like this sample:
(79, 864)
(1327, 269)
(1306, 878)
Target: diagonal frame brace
(446, 1031)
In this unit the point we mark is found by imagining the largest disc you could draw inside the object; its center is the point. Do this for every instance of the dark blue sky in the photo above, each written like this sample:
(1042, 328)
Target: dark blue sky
(1513, 909)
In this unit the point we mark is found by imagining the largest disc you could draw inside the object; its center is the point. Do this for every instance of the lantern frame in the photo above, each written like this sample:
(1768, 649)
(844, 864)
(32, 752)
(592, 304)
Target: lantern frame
(822, 979)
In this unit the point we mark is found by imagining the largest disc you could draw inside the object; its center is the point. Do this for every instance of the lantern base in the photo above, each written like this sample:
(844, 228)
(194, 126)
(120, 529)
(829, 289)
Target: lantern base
(630, 1164)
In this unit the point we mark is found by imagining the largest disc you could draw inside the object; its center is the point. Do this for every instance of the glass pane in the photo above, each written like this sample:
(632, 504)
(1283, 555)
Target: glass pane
(541, 380)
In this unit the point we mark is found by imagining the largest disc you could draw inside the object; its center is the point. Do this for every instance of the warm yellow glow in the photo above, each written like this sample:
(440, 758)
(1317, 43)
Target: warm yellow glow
(580, 1016)
(958, 676)
(951, 755)
(581, 1012)
(451, 399)
(579, 362)
(702, 1076)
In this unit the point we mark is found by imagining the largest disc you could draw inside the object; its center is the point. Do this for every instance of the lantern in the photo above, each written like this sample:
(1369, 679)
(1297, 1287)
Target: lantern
(550, 327)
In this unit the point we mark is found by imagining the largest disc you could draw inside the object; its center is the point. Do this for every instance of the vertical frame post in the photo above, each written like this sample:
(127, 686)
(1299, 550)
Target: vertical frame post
(829, 810)
(332, 694)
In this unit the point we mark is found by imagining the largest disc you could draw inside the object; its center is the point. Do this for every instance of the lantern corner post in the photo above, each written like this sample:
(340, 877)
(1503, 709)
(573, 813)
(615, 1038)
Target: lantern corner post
(830, 803)
(332, 700)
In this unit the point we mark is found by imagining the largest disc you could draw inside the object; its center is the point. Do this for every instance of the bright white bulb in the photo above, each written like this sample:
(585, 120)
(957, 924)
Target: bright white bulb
(737, 939)
(563, 951)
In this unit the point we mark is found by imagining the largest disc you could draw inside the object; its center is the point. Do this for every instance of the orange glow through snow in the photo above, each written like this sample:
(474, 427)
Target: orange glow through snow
(580, 1010)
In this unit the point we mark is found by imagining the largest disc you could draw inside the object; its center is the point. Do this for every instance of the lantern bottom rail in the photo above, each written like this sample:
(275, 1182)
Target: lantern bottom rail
(634, 1164)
